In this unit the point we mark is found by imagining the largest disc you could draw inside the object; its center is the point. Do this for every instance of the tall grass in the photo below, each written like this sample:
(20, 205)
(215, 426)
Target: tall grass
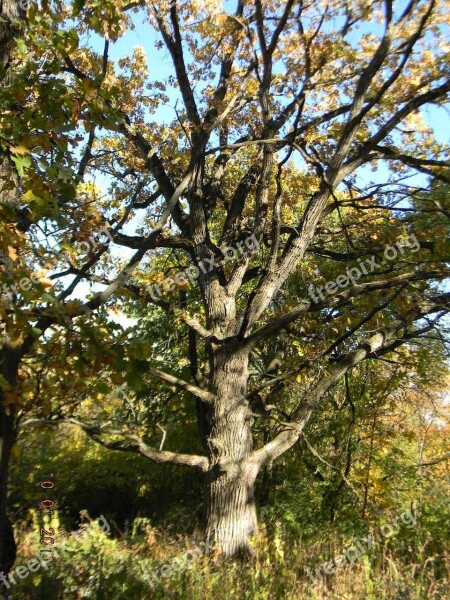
(101, 567)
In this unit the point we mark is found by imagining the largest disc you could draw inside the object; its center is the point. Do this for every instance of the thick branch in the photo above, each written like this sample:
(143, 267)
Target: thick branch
(130, 442)
(193, 389)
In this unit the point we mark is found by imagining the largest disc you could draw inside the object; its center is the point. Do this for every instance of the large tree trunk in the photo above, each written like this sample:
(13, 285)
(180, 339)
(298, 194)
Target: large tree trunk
(9, 362)
(231, 513)
(11, 11)
(7, 439)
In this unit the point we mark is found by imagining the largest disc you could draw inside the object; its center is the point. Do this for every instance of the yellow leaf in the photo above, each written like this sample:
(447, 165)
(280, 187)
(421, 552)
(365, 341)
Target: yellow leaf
(47, 283)
(20, 150)
(12, 253)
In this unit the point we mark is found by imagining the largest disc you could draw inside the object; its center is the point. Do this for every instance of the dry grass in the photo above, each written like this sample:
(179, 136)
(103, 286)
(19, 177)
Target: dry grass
(101, 568)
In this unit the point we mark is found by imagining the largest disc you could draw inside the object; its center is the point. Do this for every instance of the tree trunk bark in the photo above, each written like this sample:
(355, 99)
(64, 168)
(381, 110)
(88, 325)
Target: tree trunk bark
(231, 512)
(7, 439)
(11, 11)
(9, 363)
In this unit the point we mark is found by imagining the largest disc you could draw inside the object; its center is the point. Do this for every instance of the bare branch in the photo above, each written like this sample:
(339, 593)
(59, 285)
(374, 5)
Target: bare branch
(193, 389)
(128, 442)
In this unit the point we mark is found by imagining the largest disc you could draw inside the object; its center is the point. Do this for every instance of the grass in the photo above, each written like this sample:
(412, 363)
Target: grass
(100, 567)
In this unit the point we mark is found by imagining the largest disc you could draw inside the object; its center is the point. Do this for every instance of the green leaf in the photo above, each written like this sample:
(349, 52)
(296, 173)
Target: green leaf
(21, 46)
(48, 298)
(134, 380)
(22, 163)
(102, 387)
(78, 6)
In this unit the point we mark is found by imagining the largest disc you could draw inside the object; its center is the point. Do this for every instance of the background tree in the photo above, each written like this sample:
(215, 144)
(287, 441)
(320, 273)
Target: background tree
(11, 15)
